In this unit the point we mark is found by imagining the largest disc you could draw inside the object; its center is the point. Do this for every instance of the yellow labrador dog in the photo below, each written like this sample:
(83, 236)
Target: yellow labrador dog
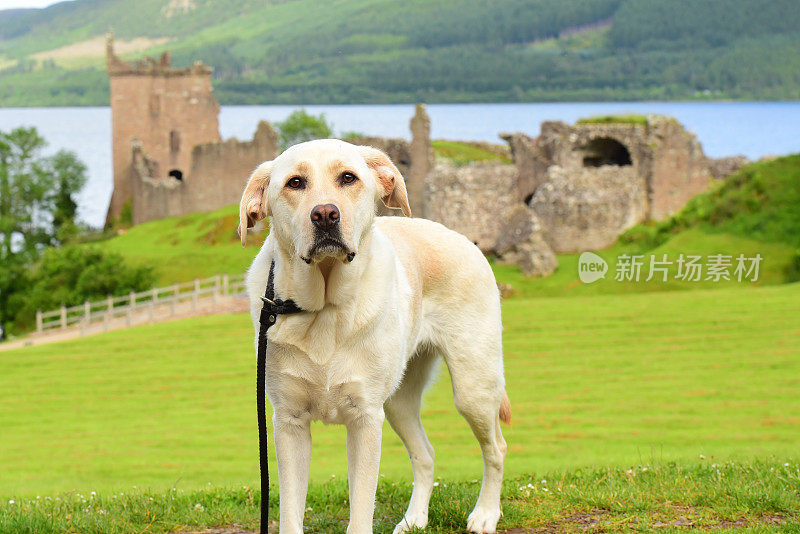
(383, 299)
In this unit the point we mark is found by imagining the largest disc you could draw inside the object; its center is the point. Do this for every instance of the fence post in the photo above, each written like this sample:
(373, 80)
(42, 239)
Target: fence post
(226, 282)
(87, 312)
(63, 316)
(215, 293)
(195, 293)
(151, 307)
(174, 299)
(132, 298)
(38, 320)
(109, 311)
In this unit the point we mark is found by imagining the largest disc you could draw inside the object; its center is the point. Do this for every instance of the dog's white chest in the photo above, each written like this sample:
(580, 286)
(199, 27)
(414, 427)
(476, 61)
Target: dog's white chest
(333, 392)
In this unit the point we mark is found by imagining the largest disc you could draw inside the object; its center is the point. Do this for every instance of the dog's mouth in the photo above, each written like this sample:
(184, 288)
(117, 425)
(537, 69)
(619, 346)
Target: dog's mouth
(328, 246)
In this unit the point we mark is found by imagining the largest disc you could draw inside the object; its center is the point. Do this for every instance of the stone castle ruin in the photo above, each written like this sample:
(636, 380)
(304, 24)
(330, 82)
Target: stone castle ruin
(168, 156)
(571, 189)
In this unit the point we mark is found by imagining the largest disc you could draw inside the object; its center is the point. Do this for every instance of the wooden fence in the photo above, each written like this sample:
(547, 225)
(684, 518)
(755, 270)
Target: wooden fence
(147, 302)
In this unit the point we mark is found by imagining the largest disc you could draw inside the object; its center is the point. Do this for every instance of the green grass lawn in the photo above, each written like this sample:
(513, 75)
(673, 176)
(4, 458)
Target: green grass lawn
(758, 496)
(603, 380)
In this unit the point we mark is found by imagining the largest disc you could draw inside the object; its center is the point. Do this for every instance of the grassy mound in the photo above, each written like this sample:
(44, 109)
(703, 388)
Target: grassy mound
(194, 245)
(761, 201)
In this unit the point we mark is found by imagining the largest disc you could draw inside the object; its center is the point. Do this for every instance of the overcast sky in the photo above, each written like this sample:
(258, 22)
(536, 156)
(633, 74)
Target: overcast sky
(8, 4)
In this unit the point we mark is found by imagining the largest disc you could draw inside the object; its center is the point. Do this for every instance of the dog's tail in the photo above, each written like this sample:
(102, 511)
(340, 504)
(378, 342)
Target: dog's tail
(505, 409)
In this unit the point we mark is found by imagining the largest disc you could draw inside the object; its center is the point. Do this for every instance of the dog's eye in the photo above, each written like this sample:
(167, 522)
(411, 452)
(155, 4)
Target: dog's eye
(348, 178)
(296, 183)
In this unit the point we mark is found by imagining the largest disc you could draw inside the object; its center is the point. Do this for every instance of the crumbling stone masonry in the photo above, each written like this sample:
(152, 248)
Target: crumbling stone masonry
(167, 152)
(590, 182)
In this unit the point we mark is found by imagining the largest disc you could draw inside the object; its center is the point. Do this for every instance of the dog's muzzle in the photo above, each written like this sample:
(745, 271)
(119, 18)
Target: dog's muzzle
(328, 239)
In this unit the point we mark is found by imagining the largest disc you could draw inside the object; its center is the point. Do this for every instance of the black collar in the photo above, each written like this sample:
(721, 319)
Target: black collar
(274, 306)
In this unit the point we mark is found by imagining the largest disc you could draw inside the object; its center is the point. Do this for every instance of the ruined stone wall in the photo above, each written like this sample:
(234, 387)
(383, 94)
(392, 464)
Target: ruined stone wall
(587, 209)
(219, 171)
(473, 200)
(589, 182)
(217, 174)
(679, 167)
(723, 167)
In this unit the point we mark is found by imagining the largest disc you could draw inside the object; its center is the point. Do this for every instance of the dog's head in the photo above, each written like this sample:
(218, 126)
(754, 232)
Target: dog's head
(322, 197)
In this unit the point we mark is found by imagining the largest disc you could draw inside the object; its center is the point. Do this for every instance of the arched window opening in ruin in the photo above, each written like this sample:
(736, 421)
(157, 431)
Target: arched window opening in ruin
(174, 141)
(605, 151)
(175, 173)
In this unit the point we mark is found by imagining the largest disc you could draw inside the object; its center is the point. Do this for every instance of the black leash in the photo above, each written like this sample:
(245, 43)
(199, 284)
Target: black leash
(269, 314)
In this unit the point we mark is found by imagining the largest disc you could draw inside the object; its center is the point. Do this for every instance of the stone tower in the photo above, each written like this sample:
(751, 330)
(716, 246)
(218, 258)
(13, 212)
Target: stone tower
(167, 111)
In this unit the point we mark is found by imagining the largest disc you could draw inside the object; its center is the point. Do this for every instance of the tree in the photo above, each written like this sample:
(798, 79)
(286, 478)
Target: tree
(300, 127)
(37, 206)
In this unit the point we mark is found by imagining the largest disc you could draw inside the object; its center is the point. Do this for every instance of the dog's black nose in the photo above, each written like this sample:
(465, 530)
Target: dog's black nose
(325, 216)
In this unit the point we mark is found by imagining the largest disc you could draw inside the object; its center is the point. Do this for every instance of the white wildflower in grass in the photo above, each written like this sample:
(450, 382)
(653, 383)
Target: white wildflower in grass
(435, 484)
(309, 509)
(93, 494)
(544, 481)
(11, 501)
(199, 506)
(786, 464)
(545, 489)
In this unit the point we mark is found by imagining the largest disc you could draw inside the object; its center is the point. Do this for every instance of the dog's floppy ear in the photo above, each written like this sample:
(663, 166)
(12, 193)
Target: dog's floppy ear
(254, 205)
(391, 185)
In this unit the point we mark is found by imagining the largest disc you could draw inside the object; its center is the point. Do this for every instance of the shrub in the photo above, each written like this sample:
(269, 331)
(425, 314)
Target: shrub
(72, 274)
(300, 127)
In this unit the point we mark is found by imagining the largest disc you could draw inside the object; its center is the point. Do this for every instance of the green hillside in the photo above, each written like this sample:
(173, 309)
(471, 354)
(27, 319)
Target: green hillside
(379, 51)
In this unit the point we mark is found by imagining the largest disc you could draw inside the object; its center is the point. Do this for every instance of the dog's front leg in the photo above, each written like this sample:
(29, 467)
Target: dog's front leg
(293, 449)
(363, 462)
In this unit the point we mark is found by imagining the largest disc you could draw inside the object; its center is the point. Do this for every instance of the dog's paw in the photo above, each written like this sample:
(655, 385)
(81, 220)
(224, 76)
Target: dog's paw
(483, 521)
(411, 521)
